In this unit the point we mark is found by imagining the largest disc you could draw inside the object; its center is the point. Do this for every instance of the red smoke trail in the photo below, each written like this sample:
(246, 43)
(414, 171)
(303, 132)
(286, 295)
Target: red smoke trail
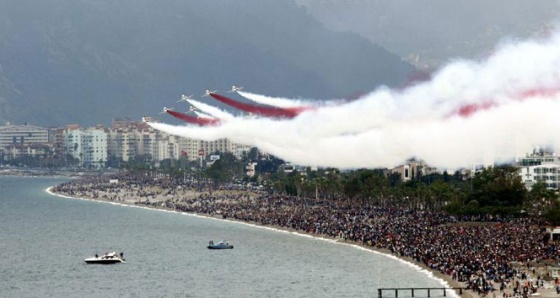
(545, 92)
(262, 111)
(194, 120)
(471, 109)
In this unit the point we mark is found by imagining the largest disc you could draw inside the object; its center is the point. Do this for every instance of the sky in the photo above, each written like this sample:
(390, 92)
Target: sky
(471, 112)
(489, 93)
(430, 32)
(86, 62)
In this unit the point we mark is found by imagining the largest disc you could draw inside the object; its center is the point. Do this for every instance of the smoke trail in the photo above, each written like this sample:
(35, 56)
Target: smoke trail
(193, 120)
(199, 114)
(278, 102)
(211, 110)
(469, 113)
(202, 115)
(257, 110)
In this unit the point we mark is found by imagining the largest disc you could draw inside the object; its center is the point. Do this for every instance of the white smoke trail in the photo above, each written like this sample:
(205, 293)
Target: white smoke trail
(211, 110)
(278, 101)
(202, 115)
(386, 127)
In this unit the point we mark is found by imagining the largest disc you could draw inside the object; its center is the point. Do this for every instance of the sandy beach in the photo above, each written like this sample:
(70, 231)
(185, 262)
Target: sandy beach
(155, 196)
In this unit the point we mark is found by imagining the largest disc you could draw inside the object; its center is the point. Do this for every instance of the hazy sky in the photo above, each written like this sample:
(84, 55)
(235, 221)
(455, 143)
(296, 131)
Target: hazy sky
(469, 113)
(437, 30)
(494, 83)
(132, 57)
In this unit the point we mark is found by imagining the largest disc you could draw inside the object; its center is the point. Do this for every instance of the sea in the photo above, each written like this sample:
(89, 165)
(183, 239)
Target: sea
(44, 239)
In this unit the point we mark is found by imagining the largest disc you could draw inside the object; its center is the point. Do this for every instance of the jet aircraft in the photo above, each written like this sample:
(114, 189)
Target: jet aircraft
(185, 97)
(165, 110)
(209, 92)
(235, 89)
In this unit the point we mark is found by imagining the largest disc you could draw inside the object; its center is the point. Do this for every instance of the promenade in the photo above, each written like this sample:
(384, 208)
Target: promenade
(492, 256)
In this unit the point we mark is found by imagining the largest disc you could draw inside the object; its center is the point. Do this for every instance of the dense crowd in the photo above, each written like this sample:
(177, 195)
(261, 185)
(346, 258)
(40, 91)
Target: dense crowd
(479, 251)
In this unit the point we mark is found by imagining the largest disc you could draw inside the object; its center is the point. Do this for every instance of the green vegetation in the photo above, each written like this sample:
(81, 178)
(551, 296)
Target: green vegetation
(491, 191)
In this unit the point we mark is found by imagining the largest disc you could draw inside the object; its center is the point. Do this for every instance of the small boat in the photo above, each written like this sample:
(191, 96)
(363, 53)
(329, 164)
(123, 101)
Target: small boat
(220, 245)
(107, 258)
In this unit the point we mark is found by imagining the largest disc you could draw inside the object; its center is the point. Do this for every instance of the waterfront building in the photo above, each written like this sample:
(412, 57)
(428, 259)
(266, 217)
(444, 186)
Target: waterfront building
(146, 142)
(223, 146)
(56, 139)
(130, 139)
(168, 146)
(413, 170)
(540, 166)
(89, 146)
(121, 144)
(15, 151)
(194, 149)
(22, 135)
(20, 140)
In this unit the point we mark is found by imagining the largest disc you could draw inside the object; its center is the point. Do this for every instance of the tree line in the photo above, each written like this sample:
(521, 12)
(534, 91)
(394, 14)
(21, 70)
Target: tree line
(493, 190)
(490, 191)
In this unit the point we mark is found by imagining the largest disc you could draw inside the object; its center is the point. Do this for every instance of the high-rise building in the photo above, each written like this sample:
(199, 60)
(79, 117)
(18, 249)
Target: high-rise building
(89, 146)
(128, 140)
(540, 166)
(22, 135)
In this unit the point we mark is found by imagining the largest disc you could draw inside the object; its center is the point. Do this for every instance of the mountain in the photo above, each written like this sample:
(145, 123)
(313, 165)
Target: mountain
(88, 61)
(430, 33)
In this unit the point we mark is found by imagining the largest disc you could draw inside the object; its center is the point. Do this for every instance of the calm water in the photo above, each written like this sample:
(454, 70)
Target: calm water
(44, 240)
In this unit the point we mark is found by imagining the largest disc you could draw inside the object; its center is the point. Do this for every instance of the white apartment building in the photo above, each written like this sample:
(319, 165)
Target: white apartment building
(128, 139)
(224, 145)
(413, 170)
(169, 146)
(540, 166)
(146, 142)
(215, 147)
(22, 135)
(194, 149)
(89, 146)
(31, 149)
(141, 140)
(189, 149)
(125, 140)
(121, 143)
(239, 149)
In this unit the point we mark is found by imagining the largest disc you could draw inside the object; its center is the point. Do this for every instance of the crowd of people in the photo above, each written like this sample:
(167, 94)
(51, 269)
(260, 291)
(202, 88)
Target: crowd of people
(485, 253)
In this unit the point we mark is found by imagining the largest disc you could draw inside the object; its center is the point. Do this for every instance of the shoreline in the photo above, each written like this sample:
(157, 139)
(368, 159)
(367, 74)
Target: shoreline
(456, 252)
(445, 280)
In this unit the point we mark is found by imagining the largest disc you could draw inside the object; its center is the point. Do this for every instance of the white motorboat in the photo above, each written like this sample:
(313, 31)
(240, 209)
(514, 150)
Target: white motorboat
(221, 245)
(107, 258)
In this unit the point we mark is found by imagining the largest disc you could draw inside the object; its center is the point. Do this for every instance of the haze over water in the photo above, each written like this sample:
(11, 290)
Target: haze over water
(44, 240)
